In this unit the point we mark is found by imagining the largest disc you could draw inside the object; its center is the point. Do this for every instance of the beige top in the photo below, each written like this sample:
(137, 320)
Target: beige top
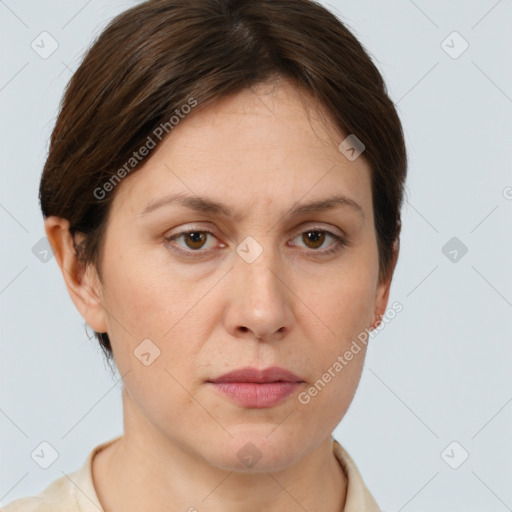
(75, 492)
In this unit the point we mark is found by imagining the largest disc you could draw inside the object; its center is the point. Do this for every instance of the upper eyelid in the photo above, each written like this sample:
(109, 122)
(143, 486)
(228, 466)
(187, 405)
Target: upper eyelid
(301, 229)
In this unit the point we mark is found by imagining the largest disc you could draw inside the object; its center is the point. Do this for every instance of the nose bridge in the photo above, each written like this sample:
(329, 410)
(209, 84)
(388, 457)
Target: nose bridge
(257, 264)
(260, 299)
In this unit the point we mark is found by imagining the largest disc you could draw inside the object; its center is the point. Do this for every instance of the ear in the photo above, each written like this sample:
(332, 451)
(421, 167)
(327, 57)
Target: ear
(383, 288)
(84, 286)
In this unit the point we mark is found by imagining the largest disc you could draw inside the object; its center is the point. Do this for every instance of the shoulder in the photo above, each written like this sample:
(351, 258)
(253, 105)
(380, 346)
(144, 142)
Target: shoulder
(59, 496)
(73, 492)
(359, 497)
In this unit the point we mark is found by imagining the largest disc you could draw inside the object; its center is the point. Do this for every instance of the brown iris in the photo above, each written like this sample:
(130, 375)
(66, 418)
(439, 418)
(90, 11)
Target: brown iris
(315, 237)
(196, 237)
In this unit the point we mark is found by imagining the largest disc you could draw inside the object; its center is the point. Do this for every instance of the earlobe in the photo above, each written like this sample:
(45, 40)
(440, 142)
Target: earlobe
(84, 287)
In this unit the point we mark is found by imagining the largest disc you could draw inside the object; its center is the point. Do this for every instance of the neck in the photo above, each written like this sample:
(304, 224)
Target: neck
(145, 470)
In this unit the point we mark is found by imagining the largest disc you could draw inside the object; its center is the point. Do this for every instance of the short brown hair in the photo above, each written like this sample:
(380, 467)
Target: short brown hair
(151, 59)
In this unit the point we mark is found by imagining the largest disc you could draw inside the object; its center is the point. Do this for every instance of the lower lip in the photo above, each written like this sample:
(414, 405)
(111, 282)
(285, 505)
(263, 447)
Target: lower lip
(251, 394)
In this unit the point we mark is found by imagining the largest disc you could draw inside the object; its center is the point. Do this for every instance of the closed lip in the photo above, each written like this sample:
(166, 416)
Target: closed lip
(255, 375)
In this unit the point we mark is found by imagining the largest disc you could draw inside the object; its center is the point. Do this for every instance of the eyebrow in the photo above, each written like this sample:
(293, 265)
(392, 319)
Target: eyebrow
(206, 205)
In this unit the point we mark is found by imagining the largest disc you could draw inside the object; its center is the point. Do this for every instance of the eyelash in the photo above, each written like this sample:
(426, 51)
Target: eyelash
(339, 242)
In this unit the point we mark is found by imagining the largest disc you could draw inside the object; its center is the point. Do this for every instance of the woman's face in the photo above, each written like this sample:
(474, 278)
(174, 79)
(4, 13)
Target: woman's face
(248, 287)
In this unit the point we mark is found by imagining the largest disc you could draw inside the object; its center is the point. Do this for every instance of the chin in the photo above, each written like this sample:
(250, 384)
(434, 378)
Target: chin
(256, 449)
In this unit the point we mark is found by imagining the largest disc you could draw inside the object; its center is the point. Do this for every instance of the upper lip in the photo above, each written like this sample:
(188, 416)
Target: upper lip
(251, 374)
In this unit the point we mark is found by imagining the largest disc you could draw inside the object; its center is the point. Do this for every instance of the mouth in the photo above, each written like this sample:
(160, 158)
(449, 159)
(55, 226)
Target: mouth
(257, 376)
(254, 388)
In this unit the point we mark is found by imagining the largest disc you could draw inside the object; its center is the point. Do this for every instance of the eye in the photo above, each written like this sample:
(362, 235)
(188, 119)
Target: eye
(315, 238)
(194, 239)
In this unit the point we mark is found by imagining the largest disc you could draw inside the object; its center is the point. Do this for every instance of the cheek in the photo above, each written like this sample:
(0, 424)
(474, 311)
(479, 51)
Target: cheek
(344, 304)
(151, 321)
(158, 396)
(149, 303)
(327, 398)
(149, 298)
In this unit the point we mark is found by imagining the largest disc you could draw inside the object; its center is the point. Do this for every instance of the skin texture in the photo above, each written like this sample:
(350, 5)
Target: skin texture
(259, 153)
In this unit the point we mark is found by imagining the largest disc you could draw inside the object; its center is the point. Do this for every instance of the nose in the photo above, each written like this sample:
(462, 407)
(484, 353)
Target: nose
(259, 305)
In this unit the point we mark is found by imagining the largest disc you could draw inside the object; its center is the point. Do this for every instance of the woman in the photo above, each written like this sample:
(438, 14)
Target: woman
(222, 194)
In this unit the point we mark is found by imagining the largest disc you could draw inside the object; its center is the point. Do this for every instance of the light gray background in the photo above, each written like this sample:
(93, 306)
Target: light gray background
(438, 373)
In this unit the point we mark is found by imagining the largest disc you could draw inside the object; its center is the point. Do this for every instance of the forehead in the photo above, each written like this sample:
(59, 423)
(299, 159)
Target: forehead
(264, 145)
